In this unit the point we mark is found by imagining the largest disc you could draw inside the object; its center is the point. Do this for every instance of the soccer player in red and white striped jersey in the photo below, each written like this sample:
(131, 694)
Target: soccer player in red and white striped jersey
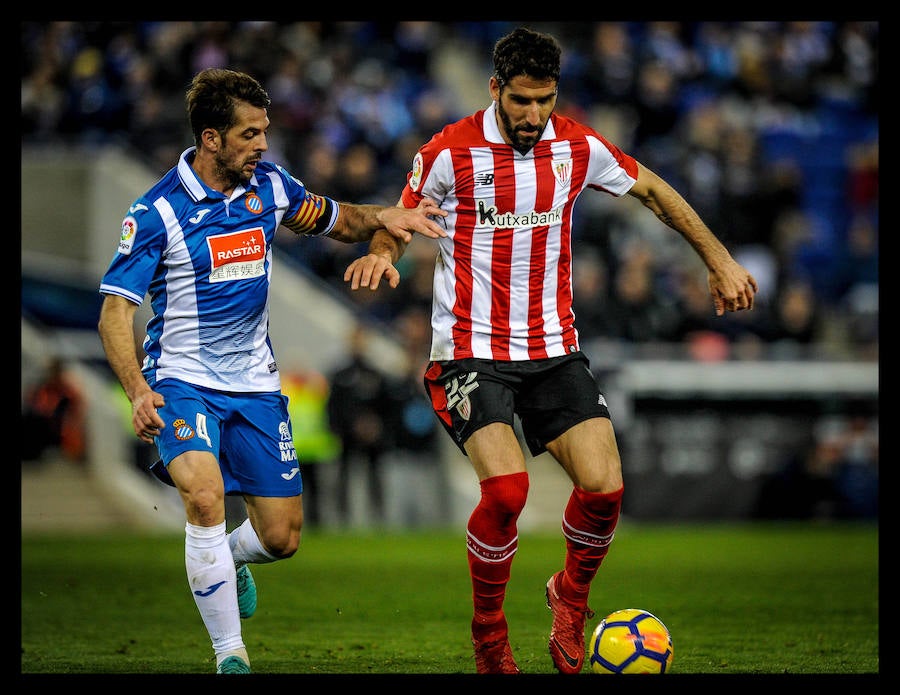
(504, 340)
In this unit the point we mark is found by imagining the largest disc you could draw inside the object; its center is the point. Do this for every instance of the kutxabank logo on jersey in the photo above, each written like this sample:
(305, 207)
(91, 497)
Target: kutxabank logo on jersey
(489, 216)
(237, 255)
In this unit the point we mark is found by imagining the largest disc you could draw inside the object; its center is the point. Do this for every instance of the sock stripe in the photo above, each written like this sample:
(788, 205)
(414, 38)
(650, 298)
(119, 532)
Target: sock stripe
(585, 538)
(490, 553)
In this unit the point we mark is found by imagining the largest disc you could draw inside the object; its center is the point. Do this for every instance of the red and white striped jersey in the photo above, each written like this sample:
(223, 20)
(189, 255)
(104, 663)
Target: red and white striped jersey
(503, 276)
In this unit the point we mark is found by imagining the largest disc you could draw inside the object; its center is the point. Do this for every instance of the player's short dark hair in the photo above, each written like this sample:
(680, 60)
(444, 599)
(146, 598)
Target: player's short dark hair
(526, 52)
(212, 95)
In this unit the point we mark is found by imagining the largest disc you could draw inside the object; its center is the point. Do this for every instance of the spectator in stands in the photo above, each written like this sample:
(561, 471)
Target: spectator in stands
(796, 322)
(415, 451)
(357, 406)
(637, 312)
(54, 415)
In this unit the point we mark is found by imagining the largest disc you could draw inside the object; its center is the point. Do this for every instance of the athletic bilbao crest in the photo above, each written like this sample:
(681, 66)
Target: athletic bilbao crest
(562, 170)
(458, 390)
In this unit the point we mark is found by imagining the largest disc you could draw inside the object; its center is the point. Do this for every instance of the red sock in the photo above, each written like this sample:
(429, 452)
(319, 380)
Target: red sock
(492, 540)
(589, 524)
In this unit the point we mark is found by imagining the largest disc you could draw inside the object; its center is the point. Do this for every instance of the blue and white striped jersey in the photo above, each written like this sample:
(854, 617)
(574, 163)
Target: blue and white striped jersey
(206, 262)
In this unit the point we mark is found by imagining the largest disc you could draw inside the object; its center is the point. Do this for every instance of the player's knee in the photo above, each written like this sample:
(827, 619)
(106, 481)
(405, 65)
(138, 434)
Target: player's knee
(281, 543)
(505, 493)
(204, 507)
(605, 476)
(602, 503)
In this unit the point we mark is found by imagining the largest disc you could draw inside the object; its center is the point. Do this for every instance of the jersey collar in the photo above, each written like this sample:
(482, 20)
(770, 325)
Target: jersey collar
(492, 130)
(195, 188)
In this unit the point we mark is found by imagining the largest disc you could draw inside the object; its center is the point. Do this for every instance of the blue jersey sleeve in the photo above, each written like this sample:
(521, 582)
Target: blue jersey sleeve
(138, 255)
(307, 212)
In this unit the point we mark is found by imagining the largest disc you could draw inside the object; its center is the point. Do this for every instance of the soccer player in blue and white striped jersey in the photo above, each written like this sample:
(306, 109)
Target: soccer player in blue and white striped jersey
(208, 393)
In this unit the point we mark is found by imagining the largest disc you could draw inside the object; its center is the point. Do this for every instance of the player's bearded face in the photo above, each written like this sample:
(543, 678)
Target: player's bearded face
(232, 164)
(524, 112)
(242, 146)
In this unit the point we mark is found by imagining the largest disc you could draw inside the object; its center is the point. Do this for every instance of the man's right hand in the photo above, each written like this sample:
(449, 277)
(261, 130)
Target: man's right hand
(368, 270)
(144, 419)
(402, 222)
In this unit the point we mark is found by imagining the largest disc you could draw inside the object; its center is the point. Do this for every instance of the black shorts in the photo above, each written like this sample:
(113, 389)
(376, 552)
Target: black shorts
(549, 396)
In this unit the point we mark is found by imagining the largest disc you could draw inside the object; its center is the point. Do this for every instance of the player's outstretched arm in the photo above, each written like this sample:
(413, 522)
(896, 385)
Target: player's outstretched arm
(731, 286)
(359, 222)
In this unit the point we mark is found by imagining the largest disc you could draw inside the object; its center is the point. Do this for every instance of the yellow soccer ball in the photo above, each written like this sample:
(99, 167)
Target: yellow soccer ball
(631, 640)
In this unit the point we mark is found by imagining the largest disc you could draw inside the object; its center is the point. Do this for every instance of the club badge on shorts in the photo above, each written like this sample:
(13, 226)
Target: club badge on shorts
(458, 390)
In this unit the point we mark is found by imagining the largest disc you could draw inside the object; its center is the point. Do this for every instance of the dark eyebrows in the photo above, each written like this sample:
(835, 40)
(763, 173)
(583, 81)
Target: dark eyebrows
(520, 99)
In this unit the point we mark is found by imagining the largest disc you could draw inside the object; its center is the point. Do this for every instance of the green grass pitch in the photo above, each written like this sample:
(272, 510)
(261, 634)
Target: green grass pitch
(751, 600)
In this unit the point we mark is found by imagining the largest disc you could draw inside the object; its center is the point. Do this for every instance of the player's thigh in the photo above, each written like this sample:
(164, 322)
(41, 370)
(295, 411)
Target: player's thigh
(494, 450)
(590, 455)
(196, 473)
(197, 477)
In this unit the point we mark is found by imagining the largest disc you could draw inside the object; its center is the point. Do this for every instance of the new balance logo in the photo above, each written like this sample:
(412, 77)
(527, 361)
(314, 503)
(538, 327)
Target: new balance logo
(484, 179)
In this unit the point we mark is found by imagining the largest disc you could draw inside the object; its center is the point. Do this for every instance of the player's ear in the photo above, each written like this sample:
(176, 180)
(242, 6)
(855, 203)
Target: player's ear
(211, 139)
(494, 86)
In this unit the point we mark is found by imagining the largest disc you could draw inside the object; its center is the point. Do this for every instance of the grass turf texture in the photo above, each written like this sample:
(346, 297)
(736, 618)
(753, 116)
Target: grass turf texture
(738, 599)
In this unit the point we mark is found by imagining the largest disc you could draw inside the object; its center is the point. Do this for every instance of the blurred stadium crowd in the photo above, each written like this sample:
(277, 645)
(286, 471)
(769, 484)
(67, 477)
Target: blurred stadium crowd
(770, 129)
